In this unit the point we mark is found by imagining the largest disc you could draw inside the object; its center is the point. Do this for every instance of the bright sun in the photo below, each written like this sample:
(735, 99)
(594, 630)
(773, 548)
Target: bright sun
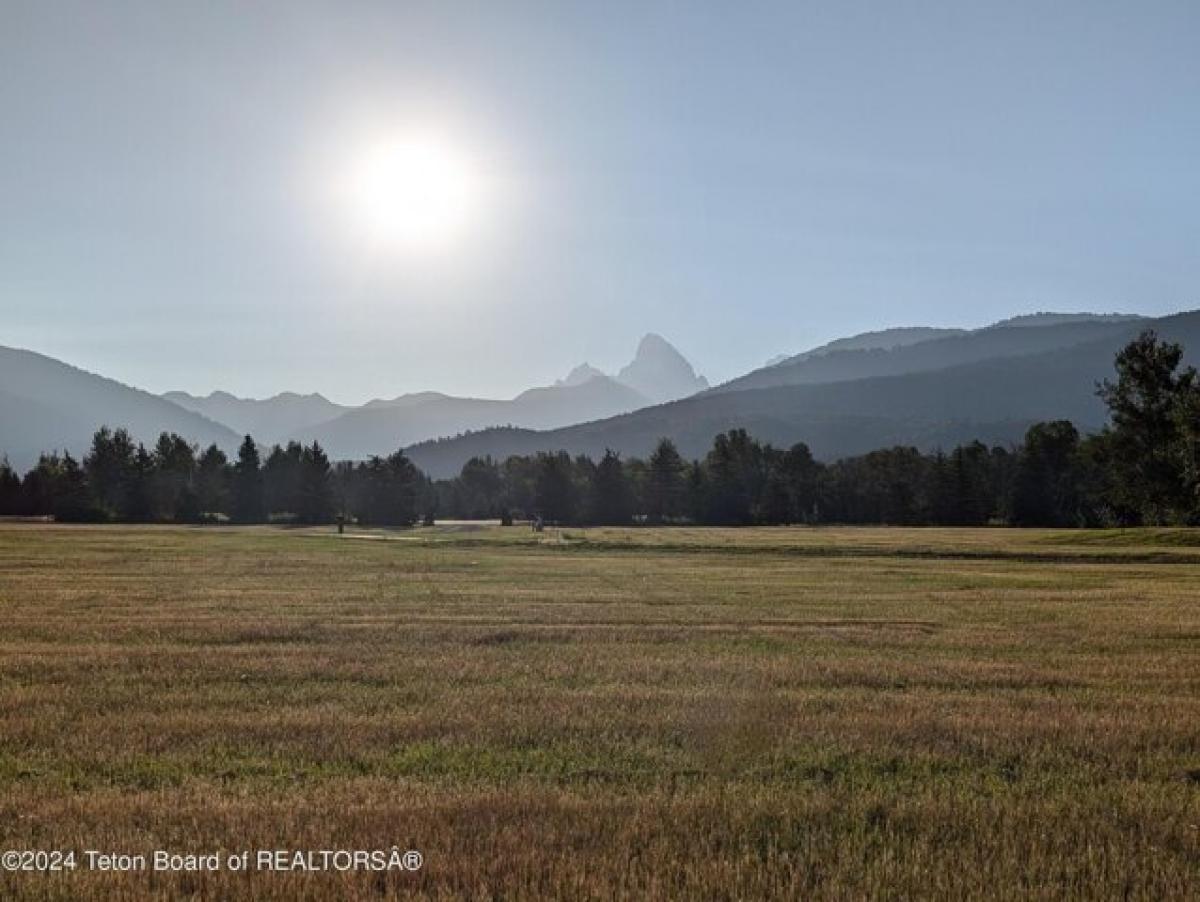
(413, 192)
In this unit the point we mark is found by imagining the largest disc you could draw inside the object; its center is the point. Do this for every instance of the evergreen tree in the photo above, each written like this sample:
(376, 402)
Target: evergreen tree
(520, 484)
(109, 469)
(666, 486)
(481, 486)
(174, 468)
(40, 485)
(57, 486)
(884, 486)
(944, 503)
(974, 500)
(1046, 488)
(610, 496)
(388, 490)
(801, 477)
(775, 507)
(248, 500)
(213, 481)
(72, 500)
(1187, 416)
(697, 491)
(1147, 405)
(736, 475)
(316, 490)
(10, 490)
(281, 479)
(139, 500)
(554, 489)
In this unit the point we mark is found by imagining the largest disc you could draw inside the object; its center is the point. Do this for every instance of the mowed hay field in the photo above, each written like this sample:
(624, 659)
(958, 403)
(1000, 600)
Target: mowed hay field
(691, 714)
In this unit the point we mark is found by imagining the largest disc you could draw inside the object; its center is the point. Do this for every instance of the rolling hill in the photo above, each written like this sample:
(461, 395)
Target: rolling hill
(835, 363)
(881, 340)
(49, 405)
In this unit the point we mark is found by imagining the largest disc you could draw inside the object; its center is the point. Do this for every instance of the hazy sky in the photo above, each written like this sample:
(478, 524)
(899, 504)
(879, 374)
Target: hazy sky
(744, 178)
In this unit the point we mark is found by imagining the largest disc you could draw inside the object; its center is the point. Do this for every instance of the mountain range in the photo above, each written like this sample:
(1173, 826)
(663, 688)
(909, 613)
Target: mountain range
(925, 386)
(988, 384)
(277, 418)
(40, 410)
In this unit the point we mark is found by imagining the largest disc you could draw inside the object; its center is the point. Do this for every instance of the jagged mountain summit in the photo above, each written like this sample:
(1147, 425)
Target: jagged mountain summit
(660, 372)
(657, 372)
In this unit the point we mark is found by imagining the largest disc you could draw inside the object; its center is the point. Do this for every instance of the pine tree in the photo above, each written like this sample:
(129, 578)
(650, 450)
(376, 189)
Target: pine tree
(801, 475)
(387, 491)
(174, 469)
(554, 489)
(666, 488)
(109, 469)
(72, 498)
(212, 482)
(139, 500)
(610, 498)
(281, 480)
(316, 490)
(248, 500)
(10, 490)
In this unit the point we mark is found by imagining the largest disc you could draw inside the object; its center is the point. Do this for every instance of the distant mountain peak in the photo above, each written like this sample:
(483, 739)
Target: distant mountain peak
(585, 372)
(660, 372)
(657, 373)
(653, 343)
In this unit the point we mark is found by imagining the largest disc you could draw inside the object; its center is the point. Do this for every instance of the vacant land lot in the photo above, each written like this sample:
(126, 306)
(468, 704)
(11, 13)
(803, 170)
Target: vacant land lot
(606, 713)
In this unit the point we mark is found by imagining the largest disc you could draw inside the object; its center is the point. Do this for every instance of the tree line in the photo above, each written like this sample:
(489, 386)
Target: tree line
(121, 480)
(1143, 468)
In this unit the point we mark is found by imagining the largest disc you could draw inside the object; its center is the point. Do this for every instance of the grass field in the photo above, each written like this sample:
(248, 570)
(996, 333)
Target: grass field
(695, 714)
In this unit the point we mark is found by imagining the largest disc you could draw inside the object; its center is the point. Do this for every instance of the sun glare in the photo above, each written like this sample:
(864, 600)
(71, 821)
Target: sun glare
(413, 192)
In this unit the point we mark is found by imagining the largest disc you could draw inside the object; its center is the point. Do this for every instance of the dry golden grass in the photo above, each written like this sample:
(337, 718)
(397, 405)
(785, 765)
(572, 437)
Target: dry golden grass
(714, 714)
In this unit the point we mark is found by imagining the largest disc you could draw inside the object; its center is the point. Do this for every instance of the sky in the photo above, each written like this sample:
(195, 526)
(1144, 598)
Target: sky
(746, 179)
